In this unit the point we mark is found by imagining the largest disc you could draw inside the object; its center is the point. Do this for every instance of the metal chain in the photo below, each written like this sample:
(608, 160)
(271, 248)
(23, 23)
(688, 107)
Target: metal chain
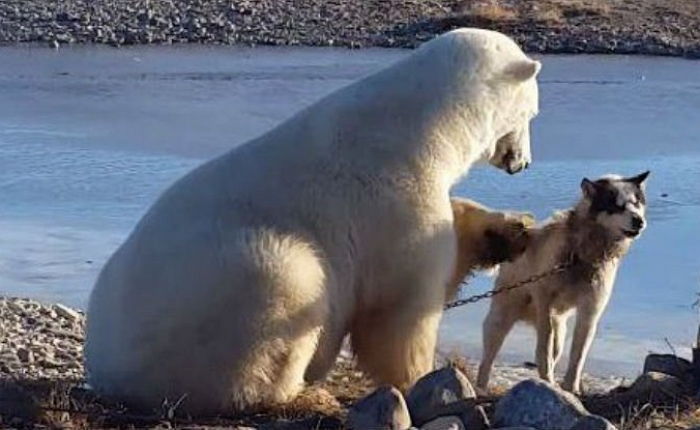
(561, 267)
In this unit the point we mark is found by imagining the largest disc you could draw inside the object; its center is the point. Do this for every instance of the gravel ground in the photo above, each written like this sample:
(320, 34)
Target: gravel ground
(657, 27)
(40, 341)
(41, 382)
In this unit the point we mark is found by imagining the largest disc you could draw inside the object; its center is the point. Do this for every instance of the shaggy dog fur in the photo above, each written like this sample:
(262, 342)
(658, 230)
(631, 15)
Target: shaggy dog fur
(241, 282)
(485, 239)
(594, 236)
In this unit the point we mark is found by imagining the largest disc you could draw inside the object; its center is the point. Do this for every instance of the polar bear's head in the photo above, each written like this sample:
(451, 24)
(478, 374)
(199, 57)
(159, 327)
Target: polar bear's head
(509, 147)
(493, 88)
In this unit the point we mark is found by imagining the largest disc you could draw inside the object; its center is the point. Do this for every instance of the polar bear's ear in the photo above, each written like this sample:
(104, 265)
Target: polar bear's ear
(522, 70)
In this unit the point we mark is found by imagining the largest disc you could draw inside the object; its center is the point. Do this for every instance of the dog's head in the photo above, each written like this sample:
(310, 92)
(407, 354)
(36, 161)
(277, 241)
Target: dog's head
(618, 204)
(486, 238)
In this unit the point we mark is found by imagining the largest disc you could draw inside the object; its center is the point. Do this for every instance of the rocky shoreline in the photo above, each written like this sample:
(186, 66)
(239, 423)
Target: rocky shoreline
(42, 341)
(41, 374)
(651, 27)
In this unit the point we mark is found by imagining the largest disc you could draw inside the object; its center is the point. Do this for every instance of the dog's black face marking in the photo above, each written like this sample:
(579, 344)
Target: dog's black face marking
(605, 198)
(613, 195)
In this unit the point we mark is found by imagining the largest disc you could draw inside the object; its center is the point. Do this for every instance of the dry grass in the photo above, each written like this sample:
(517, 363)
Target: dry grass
(559, 12)
(551, 12)
(583, 8)
(65, 404)
(56, 404)
(548, 14)
(489, 11)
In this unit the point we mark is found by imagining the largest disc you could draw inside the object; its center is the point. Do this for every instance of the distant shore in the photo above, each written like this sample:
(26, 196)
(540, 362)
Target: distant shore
(647, 27)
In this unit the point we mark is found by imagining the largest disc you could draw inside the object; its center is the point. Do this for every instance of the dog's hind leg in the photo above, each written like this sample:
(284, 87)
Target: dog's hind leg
(587, 317)
(559, 327)
(544, 353)
(497, 324)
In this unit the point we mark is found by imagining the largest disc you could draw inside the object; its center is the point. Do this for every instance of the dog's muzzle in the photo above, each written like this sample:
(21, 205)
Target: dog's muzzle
(638, 225)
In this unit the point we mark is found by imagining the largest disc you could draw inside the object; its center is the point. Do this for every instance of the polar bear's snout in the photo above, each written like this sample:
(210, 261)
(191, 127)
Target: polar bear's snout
(512, 153)
(512, 162)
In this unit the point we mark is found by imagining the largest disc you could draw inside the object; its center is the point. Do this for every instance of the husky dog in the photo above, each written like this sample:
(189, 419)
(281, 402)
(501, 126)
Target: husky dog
(592, 236)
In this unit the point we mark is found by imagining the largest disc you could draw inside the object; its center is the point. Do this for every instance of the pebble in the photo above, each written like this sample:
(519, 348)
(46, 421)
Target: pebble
(25, 355)
(67, 312)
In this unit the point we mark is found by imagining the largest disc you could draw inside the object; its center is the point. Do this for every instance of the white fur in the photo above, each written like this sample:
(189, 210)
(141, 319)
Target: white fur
(244, 277)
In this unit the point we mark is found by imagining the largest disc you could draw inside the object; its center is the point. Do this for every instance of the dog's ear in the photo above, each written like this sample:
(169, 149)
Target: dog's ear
(639, 179)
(588, 187)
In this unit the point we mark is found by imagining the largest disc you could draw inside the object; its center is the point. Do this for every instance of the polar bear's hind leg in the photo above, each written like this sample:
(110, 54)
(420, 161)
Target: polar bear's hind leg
(288, 279)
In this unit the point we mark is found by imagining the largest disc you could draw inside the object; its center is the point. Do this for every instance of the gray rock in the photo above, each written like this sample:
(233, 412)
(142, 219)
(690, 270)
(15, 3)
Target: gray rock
(593, 422)
(443, 392)
(444, 423)
(25, 355)
(656, 386)
(538, 404)
(669, 364)
(515, 428)
(384, 409)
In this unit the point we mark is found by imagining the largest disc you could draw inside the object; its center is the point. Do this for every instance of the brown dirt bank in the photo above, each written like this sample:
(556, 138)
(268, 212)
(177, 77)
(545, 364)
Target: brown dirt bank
(653, 27)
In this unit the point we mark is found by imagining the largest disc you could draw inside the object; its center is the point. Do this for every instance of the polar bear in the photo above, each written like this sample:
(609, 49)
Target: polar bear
(243, 278)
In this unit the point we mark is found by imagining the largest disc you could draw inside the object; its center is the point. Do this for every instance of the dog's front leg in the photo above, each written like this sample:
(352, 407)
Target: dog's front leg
(587, 316)
(544, 354)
